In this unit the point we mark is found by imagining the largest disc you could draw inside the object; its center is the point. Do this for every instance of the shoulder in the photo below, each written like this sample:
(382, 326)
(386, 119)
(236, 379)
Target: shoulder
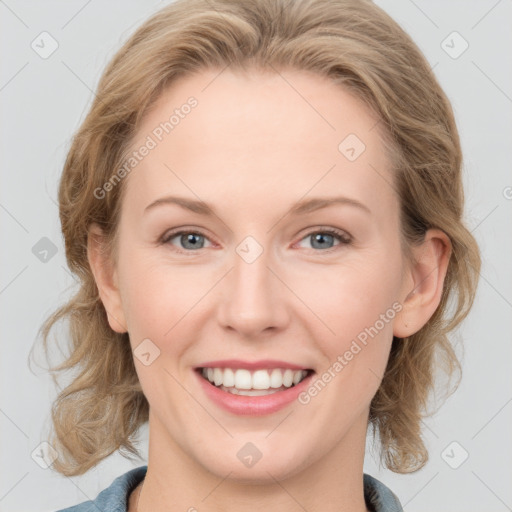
(378, 497)
(115, 497)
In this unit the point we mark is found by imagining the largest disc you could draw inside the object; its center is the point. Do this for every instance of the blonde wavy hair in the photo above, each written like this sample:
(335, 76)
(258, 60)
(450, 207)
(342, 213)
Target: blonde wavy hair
(360, 47)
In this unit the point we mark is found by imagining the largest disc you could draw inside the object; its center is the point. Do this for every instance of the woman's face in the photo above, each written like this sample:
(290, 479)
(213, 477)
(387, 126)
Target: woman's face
(256, 283)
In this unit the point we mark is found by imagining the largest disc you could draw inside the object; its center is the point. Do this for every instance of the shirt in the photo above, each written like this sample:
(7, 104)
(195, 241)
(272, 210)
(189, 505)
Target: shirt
(114, 498)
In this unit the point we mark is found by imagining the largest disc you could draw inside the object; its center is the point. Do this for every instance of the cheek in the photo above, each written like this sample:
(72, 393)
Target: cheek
(151, 300)
(348, 299)
(357, 308)
(160, 301)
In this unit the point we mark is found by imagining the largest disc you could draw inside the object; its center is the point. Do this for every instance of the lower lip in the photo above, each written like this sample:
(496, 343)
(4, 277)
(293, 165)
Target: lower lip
(252, 405)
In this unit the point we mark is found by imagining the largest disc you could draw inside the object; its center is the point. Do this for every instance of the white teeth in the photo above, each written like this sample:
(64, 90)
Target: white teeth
(249, 392)
(217, 376)
(259, 380)
(228, 378)
(276, 378)
(242, 379)
(288, 378)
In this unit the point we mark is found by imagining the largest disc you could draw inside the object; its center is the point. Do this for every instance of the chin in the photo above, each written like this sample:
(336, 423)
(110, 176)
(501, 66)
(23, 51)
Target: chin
(262, 472)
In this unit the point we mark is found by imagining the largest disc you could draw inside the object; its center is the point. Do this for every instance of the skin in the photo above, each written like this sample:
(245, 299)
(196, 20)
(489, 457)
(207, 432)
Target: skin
(255, 145)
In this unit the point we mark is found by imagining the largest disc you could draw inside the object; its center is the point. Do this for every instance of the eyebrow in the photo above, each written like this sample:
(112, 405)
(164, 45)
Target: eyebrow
(299, 208)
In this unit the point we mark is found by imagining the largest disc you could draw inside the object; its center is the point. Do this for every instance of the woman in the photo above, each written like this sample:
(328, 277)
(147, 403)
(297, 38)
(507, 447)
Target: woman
(228, 141)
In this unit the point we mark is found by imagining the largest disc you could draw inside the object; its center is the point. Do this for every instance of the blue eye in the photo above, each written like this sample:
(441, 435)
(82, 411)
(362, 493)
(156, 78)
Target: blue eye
(194, 240)
(326, 236)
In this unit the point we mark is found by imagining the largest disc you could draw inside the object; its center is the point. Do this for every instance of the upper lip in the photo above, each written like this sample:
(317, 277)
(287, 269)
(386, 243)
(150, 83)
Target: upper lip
(252, 365)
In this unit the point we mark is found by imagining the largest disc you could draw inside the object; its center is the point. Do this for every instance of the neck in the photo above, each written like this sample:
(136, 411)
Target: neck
(332, 483)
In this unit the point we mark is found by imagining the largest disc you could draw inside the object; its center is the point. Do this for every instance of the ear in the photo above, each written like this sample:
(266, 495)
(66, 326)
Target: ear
(423, 283)
(105, 276)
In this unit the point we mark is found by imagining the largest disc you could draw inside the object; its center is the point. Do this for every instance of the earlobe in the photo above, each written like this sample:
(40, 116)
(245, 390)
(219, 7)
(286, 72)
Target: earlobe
(424, 283)
(105, 276)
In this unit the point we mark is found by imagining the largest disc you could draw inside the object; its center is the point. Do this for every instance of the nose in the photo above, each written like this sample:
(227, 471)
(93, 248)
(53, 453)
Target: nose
(255, 299)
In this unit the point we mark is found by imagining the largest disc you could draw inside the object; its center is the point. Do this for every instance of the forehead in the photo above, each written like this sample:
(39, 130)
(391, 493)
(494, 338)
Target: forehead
(228, 137)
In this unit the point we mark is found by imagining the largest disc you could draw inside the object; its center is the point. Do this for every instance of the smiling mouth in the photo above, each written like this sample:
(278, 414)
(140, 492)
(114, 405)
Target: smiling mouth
(253, 383)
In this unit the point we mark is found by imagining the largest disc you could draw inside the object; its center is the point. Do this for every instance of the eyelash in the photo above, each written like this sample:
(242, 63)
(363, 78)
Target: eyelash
(343, 238)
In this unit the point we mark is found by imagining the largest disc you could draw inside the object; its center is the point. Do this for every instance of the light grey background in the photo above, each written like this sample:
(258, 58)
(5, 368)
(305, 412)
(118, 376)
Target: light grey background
(43, 102)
